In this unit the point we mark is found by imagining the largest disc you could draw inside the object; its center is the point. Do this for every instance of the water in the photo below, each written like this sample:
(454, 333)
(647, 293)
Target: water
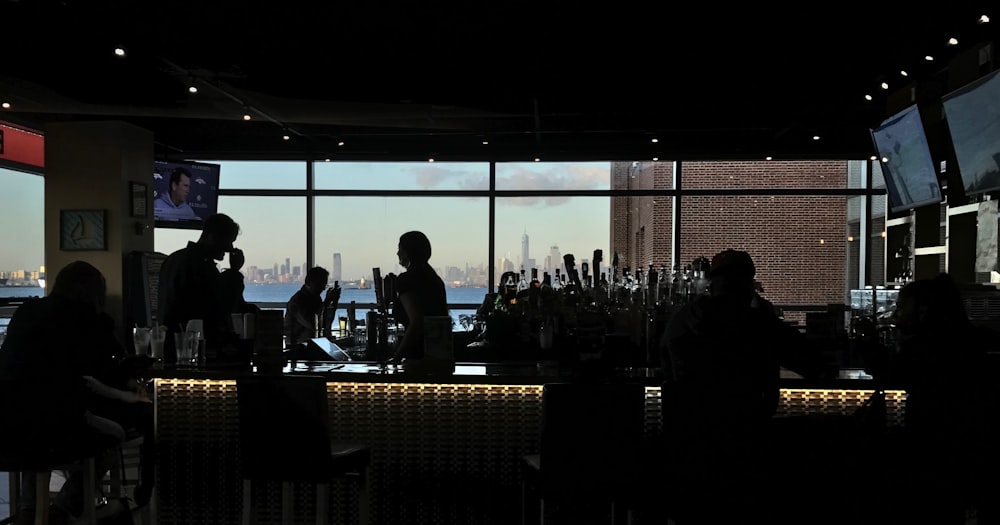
(278, 294)
(281, 293)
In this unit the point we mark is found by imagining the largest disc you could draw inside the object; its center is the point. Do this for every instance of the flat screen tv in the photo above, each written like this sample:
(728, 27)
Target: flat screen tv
(184, 193)
(973, 116)
(910, 176)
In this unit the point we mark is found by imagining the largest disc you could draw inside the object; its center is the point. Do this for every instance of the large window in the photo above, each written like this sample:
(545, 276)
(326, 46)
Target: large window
(802, 220)
(22, 236)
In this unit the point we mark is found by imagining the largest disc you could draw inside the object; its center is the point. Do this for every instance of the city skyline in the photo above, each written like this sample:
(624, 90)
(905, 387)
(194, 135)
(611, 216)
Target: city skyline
(365, 230)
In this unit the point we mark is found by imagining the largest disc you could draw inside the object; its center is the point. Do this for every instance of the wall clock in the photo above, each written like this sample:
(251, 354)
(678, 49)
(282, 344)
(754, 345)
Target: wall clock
(81, 230)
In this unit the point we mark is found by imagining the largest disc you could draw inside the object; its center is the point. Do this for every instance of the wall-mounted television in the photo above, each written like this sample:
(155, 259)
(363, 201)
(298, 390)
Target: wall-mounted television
(184, 193)
(911, 178)
(973, 116)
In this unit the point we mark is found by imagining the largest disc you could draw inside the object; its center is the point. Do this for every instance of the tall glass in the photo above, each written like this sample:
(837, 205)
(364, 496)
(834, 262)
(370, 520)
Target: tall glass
(141, 339)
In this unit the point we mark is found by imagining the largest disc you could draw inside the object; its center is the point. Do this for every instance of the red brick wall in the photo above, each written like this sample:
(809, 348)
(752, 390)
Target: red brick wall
(799, 243)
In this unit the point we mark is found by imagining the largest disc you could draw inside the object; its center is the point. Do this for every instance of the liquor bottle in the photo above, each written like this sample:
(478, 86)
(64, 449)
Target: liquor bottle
(522, 285)
(651, 286)
(535, 283)
(585, 275)
(557, 283)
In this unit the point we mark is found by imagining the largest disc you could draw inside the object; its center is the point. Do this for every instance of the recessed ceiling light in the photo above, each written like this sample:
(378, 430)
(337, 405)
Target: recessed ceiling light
(5, 105)
(868, 98)
(903, 73)
(485, 142)
(246, 116)
(983, 20)
(815, 137)
(431, 159)
(885, 85)
(768, 157)
(340, 143)
(285, 137)
(928, 58)
(192, 89)
(119, 52)
(537, 159)
(655, 140)
(952, 41)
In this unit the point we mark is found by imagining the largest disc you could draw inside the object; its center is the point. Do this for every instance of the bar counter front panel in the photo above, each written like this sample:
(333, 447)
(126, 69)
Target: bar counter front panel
(445, 449)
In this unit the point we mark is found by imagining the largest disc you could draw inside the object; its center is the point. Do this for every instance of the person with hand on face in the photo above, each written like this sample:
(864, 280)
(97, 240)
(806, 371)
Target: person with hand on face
(173, 205)
(420, 293)
(192, 287)
(307, 307)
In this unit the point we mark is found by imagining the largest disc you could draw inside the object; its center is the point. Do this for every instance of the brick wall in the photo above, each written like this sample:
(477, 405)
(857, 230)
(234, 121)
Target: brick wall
(799, 243)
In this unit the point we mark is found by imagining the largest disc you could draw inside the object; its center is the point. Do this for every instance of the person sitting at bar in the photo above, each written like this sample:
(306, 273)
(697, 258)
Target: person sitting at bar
(192, 287)
(943, 460)
(722, 355)
(420, 292)
(66, 342)
(307, 307)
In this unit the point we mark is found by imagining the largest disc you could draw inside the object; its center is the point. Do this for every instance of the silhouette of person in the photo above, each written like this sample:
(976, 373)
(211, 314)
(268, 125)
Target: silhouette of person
(83, 383)
(307, 307)
(722, 356)
(941, 363)
(420, 292)
(192, 287)
(172, 205)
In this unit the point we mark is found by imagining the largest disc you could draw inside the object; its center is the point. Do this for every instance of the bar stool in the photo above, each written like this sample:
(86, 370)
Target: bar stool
(284, 436)
(591, 448)
(37, 442)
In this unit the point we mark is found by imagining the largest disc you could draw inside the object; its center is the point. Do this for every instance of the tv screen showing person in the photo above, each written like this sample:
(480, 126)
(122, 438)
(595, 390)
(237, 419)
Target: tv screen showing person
(184, 193)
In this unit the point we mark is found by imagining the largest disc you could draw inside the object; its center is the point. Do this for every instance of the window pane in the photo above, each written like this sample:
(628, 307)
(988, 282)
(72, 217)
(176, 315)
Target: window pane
(256, 175)
(554, 175)
(466, 176)
(765, 174)
(798, 243)
(274, 244)
(22, 211)
(537, 232)
(364, 232)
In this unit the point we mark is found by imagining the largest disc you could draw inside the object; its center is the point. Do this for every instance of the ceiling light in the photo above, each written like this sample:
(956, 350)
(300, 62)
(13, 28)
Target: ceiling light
(485, 142)
(885, 85)
(873, 157)
(5, 105)
(815, 137)
(340, 143)
(192, 89)
(768, 157)
(983, 20)
(928, 58)
(246, 116)
(655, 140)
(952, 41)
(655, 159)
(285, 137)
(119, 52)
(903, 73)
(430, 159)
(537, 159)
(868, 98)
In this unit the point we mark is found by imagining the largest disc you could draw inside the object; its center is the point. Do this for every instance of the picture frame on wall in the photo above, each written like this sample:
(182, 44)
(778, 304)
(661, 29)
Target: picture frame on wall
(83, 230)
(139, 200)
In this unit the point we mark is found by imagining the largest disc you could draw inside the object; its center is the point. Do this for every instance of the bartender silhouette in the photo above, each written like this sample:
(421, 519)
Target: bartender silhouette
(420, 292)
(722, 357)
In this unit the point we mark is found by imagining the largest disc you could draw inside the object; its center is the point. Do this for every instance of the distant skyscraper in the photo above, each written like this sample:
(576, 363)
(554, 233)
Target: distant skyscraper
(338, 271)
(556, 260)
(524, 251)
(288, 265)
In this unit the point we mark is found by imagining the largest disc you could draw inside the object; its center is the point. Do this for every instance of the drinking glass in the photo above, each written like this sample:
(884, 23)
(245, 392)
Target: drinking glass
(157, 335)
(141, 339)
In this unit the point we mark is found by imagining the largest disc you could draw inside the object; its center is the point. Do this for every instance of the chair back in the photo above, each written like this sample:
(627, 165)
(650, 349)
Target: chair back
(284, 429)
(591, 436)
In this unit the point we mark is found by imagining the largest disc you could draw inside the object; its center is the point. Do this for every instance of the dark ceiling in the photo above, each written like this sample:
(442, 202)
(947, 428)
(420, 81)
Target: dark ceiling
(408, 80)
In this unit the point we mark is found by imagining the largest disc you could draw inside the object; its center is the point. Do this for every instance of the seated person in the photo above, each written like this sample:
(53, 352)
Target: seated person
(307, 307)
(89, 390)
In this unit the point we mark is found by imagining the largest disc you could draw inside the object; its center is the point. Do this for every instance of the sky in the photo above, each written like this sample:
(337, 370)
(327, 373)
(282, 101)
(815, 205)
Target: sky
(365, 230)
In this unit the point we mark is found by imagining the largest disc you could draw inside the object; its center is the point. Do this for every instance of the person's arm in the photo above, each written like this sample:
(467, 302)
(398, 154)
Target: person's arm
(329, 310)
(414, 333)
(107, 392)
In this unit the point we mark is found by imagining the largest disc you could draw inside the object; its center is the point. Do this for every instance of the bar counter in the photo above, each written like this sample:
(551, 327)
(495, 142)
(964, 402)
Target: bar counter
(445, 447)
